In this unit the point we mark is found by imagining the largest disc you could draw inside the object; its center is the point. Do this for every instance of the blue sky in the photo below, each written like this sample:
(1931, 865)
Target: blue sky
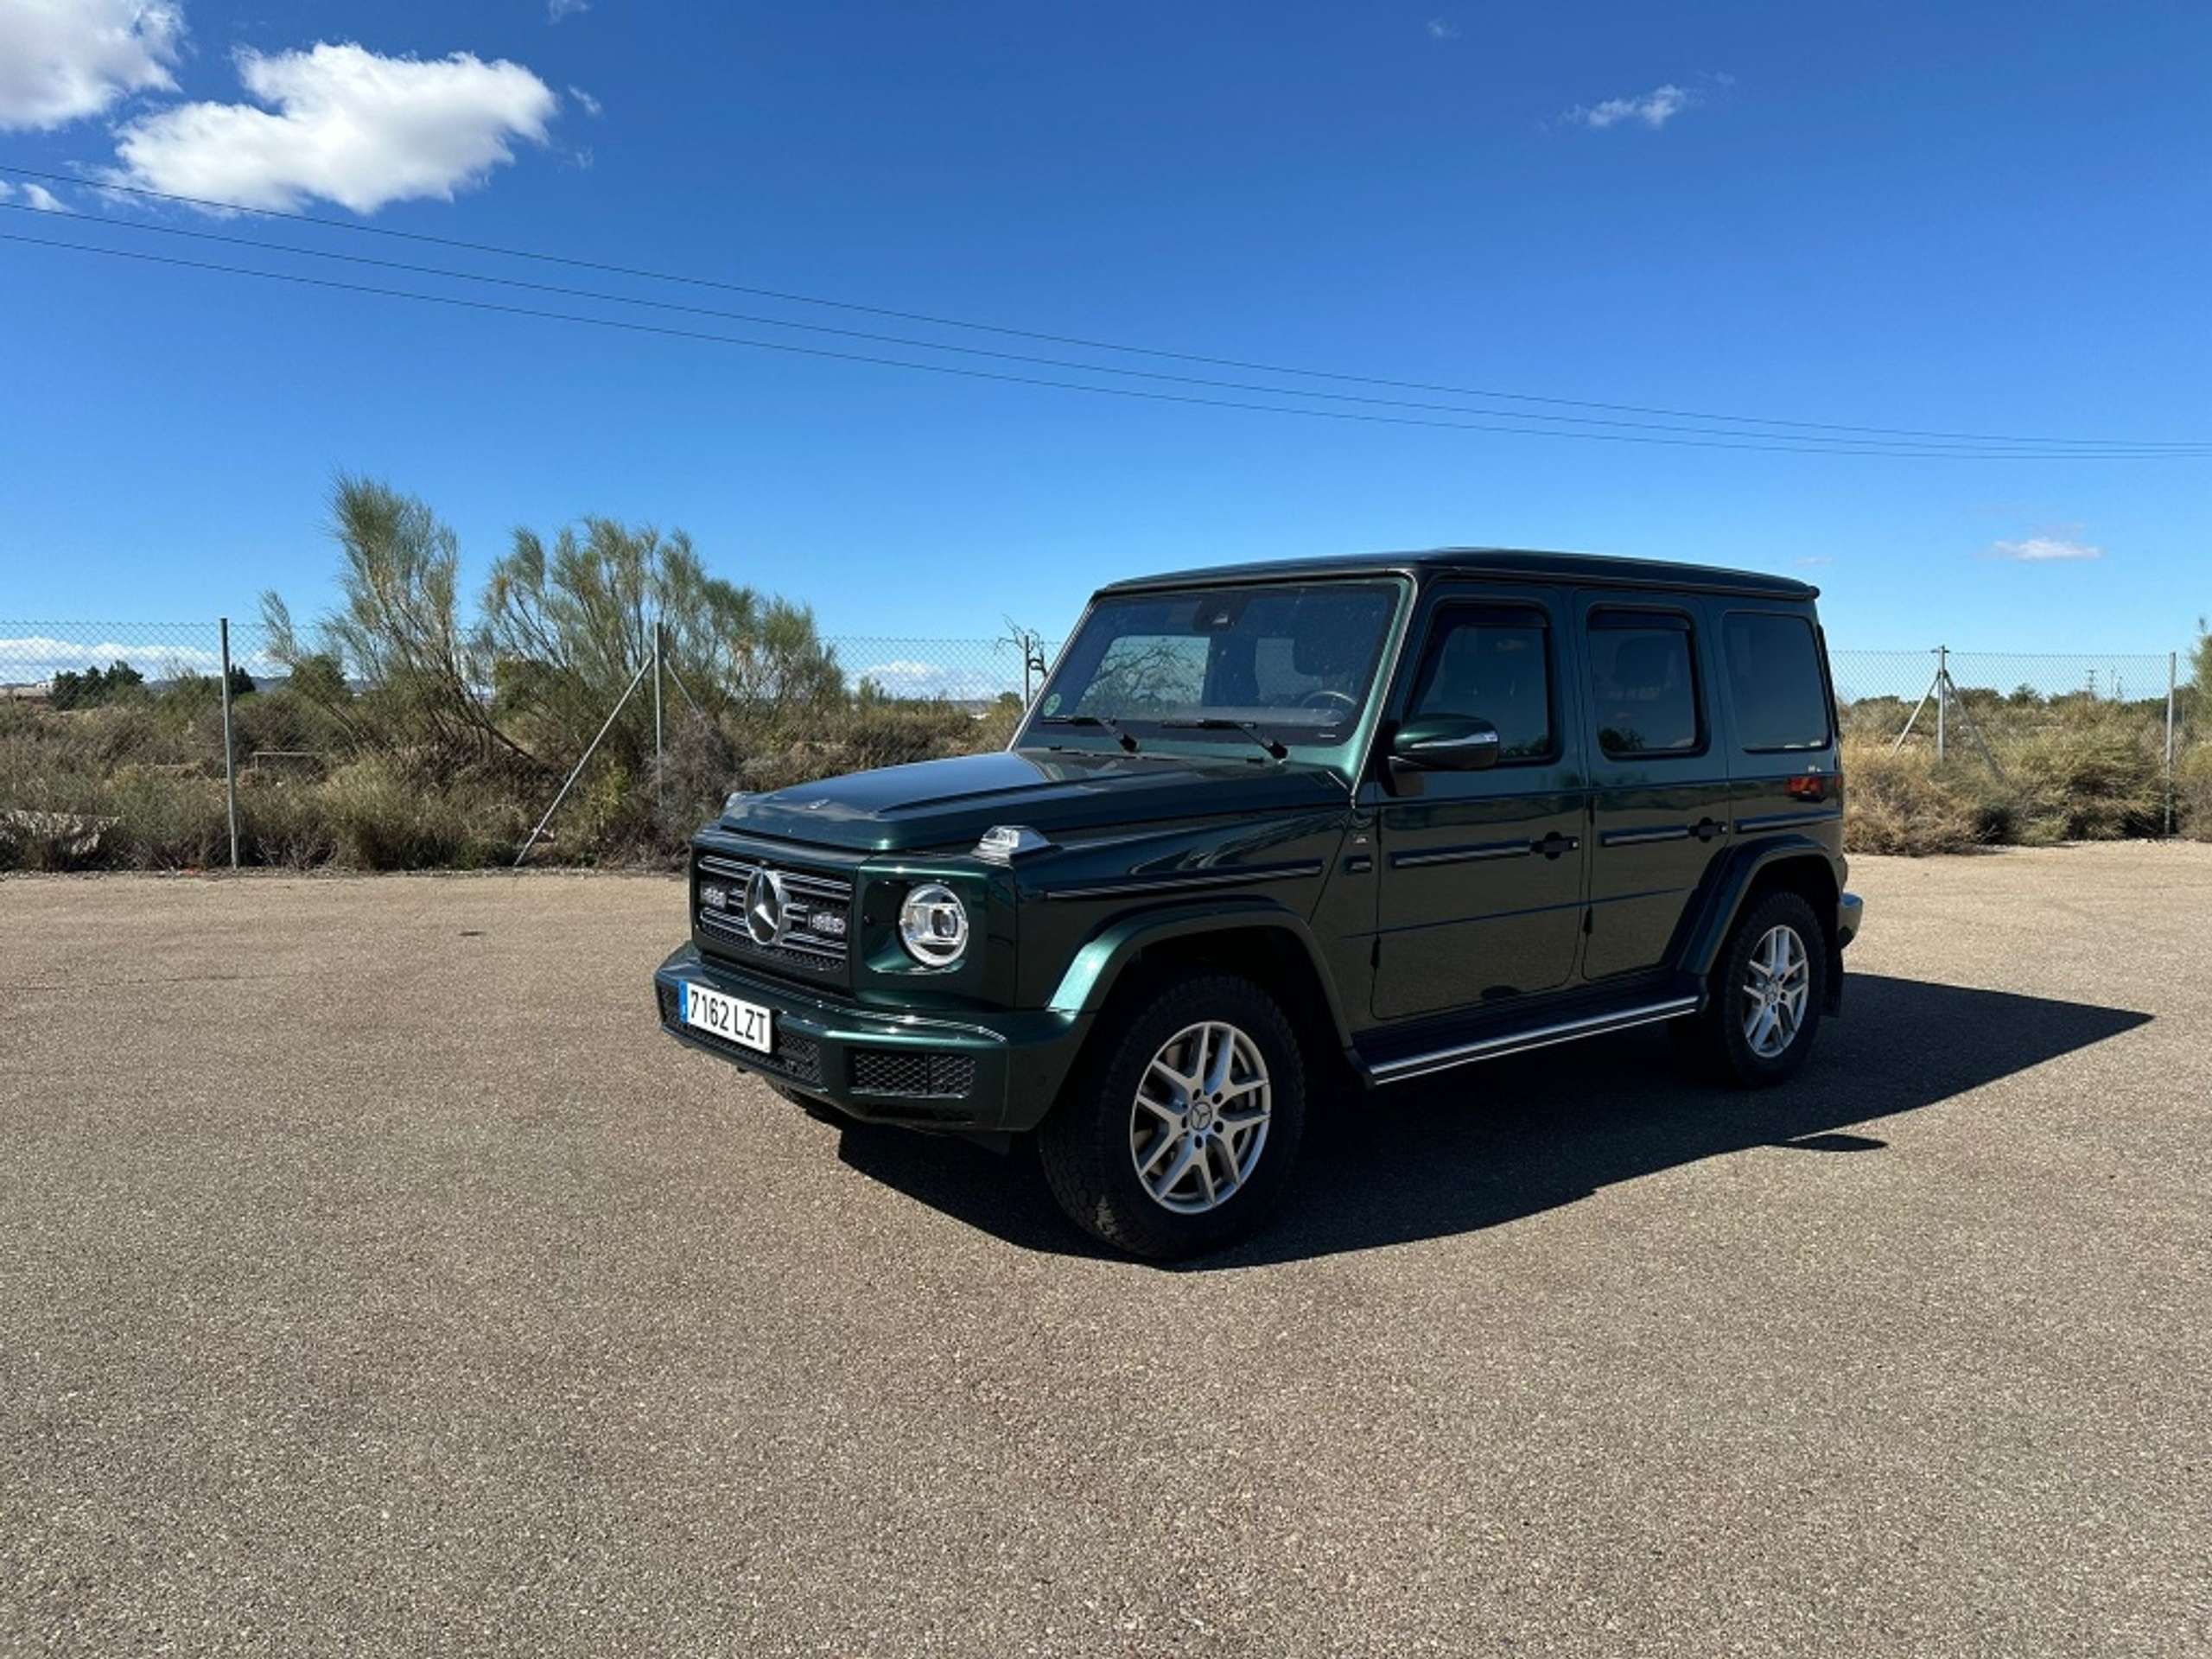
(1990, 219)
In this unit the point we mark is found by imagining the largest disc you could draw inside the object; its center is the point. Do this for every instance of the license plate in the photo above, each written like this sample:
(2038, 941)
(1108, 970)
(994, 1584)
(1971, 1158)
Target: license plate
(729, 1018)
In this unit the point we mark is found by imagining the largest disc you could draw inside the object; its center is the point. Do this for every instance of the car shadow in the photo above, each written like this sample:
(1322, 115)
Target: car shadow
(1491, 1143)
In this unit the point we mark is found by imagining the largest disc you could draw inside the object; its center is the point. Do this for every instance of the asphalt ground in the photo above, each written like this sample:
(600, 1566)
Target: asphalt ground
(374, 1278)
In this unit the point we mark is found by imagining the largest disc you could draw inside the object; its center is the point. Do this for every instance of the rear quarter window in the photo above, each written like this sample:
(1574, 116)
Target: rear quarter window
(1774, 683)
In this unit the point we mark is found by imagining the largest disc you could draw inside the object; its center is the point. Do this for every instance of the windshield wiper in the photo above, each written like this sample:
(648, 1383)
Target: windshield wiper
(1222, 723)
(1099, 721)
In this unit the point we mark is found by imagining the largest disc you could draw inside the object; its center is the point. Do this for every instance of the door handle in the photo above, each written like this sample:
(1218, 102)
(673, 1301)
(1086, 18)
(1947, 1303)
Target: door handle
(1707, 828)
(1555, 844)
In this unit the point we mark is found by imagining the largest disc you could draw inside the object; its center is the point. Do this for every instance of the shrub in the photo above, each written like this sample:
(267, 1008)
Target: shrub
(2193, 792)
(166, 818)
(382, 817)
(2094, 773)
(1904, 802)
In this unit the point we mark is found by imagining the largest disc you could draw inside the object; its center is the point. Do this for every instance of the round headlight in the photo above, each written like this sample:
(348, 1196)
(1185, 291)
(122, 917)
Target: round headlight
(933, 925)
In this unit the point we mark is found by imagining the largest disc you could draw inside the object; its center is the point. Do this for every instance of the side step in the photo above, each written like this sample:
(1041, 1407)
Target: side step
(1489, 1037)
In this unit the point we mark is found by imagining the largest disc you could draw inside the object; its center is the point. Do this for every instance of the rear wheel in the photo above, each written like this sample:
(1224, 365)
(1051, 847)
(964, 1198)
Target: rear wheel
(1764, 996)
(1183, 1137)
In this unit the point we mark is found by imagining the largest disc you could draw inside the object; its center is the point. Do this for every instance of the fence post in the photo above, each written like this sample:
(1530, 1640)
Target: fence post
(660, 768)
(229, 754)
(1943, 695)
(2173, 664)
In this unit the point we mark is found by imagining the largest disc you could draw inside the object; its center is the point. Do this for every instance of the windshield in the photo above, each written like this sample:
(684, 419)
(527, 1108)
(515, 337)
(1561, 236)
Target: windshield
(1294, 660)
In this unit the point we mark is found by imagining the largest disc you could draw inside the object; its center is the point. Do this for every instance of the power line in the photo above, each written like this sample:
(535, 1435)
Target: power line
(1841, 445)
(1902, 452)
(789, 298)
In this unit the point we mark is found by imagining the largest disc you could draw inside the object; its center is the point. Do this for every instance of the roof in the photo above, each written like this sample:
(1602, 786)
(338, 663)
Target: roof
(1519, 563)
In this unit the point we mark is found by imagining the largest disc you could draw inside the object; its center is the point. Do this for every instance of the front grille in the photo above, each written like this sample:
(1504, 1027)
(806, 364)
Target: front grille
(917, 1074)
(795, 1056)
(814, 922)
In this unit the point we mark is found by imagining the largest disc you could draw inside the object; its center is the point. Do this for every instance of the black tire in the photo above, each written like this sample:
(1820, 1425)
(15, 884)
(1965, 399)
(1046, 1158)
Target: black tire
(1714, 1039)
(1086, 1144)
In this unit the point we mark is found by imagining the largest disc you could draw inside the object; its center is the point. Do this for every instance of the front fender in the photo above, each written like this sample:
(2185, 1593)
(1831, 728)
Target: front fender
(1098, 965)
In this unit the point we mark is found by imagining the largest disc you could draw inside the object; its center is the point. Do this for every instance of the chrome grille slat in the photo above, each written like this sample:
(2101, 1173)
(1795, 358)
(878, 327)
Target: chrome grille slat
(829, 949)
(807, 893)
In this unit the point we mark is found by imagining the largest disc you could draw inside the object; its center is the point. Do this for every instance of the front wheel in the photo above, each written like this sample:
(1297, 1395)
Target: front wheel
(1183, 1137)
(1763, 997)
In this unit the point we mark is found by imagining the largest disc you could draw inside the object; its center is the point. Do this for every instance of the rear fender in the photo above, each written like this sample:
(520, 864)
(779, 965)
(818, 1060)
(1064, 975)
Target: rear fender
(1734, 878)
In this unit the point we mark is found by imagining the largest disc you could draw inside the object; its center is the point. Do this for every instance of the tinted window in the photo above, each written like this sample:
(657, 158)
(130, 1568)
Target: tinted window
(1288, 656)
(1775, 684)
(1643, 684)
(1493, 663)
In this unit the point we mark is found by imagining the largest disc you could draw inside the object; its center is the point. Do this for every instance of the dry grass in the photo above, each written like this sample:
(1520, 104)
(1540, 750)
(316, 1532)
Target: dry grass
(1904, 802)
(138, 783)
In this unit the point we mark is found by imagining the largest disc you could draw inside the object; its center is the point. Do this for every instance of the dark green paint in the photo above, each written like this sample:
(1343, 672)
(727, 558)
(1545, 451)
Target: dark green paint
(1411, 899)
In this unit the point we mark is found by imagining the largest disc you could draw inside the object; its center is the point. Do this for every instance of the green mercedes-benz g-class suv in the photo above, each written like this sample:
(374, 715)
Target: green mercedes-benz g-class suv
(1277, 831)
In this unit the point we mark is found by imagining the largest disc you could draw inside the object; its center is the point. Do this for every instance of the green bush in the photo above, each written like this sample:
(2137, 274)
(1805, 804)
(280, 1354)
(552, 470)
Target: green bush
(2193, 792)
(382, 817)
(2095, 773)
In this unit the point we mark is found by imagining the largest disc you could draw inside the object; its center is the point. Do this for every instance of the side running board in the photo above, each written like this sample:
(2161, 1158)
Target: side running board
(1516, 1042)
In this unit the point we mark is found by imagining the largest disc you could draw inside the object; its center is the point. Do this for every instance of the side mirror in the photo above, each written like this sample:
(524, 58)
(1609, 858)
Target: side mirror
(1447, 743)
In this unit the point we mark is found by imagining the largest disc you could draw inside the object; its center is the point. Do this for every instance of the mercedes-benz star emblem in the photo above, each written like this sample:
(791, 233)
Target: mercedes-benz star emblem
(764, 906)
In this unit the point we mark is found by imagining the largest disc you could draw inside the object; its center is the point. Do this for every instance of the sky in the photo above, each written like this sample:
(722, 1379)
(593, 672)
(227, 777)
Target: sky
(1964, 219)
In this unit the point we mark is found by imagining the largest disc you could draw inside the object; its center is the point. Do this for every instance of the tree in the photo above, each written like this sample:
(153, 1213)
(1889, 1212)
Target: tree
(568, 629)
(241, 681)
(93, 686)
(399, 627)
(2200, 660)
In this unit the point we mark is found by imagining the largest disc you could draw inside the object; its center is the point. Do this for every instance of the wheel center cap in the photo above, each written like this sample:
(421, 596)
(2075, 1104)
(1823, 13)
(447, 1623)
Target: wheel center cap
(1201, 1114)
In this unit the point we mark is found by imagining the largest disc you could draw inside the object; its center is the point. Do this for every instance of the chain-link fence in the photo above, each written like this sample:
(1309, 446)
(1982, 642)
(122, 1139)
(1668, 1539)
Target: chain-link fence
(130, 744)
(119, 746)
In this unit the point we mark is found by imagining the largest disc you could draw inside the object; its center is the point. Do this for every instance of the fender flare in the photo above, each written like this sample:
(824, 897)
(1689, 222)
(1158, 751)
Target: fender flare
(1097, 966)
(1715, 912)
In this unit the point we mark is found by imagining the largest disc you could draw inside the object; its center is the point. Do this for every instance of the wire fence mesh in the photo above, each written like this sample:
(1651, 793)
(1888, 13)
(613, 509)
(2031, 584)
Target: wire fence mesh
(118, 744)
(113, 737)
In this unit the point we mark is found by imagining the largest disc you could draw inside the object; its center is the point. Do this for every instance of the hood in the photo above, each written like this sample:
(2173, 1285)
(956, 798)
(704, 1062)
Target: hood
(952, 802)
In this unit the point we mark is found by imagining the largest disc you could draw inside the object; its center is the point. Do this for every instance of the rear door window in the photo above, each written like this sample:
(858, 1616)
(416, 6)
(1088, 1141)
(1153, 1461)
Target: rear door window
(1775, 684)
(1643, 684)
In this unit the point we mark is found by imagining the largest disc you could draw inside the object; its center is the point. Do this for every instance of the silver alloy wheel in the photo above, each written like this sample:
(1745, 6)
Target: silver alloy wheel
(1774, 991)
(1199, 1121)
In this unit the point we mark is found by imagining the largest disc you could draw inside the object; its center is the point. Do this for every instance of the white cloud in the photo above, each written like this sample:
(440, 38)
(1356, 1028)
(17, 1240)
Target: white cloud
(61, 60)
(590, 105)
(556, 9)
(35, 658)
(912, 678)
(1654, 109)
(1816, 558)
(2044, 549)
(1443, 28)
(344, 124)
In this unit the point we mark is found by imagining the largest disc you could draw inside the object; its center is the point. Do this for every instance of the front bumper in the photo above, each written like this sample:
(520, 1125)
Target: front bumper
(1850, 910)
(977, 1072)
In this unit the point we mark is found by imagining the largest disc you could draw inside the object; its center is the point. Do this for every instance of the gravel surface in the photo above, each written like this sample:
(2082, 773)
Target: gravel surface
(374, 1278)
